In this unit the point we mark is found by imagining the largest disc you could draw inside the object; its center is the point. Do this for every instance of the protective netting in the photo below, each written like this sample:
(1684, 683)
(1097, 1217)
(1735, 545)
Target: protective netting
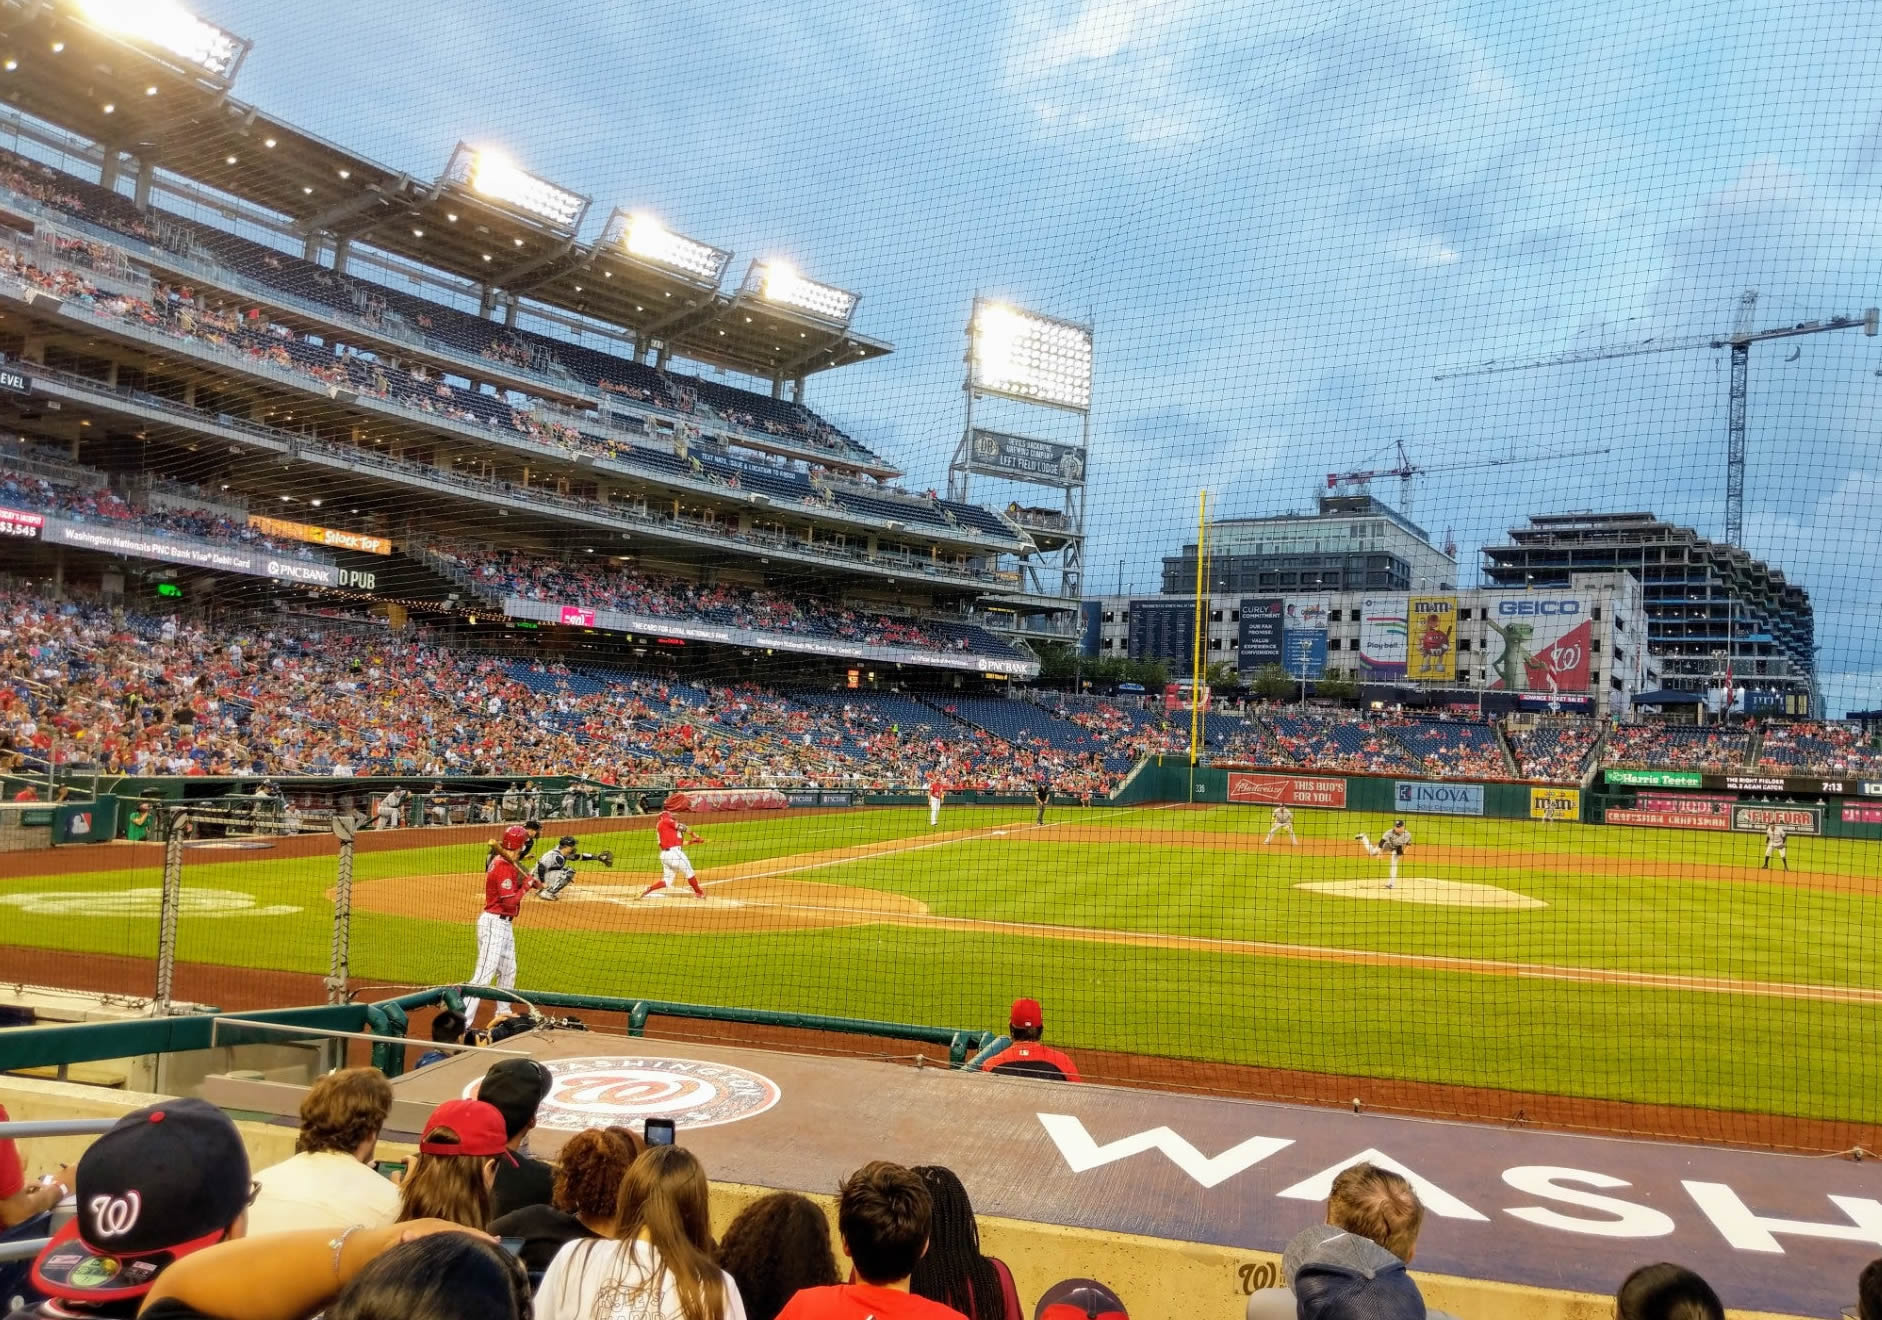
(1383, 607)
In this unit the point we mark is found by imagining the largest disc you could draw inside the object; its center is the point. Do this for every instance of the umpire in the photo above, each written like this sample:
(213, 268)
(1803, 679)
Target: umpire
(1042, 797)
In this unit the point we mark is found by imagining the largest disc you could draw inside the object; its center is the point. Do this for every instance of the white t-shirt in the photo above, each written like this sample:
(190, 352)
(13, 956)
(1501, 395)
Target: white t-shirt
(324, 1189)
(595, 1280)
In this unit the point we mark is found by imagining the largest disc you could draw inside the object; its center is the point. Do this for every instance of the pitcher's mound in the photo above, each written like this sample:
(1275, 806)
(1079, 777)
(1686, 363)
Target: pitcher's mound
(1424, 889)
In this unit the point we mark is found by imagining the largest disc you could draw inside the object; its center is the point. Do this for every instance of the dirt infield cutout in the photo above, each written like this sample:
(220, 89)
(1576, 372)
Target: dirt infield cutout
(1426, 889)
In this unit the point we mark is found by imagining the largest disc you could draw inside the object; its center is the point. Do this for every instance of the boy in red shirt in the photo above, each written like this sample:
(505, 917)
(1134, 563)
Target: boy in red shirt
(882, 1213)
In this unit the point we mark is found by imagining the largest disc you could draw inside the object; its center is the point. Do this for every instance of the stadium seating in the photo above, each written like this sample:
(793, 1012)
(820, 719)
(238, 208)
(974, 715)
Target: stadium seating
(1677, 747)
(1817, 749)
(1556, 752)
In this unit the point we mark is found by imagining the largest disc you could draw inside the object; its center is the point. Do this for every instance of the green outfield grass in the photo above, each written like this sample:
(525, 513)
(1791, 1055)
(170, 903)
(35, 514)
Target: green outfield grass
(1170, 878)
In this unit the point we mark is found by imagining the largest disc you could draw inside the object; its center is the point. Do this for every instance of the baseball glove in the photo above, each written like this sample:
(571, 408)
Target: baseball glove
(605, 858)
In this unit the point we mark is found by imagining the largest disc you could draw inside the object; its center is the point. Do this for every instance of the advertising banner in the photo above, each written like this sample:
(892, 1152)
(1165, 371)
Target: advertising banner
(1672, 820)
(1382, 636)
(1176, 696)
(1554, 803)
(1684, 803)
(1000, 454)
(19, 524)
(1304, 635)
(1090, 628)
(1262, 622)
(1555, 701)
(1752, 819)
(1538, 641)
(1859, 814)
(1288, 791)
(574, 616)
(1162, 630)
(727, 799)
(333, 536)
(1417, 795)
(1431, 642)
(119, 540)
(1655, 778)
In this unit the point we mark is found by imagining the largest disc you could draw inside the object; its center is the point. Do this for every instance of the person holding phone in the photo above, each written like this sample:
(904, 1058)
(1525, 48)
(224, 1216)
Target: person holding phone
(660, 1260)
(587, 1182)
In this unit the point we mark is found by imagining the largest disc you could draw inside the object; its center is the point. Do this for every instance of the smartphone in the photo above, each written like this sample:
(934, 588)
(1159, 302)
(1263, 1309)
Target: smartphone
(393, 1169)
(512, 1245)
(659, 1132)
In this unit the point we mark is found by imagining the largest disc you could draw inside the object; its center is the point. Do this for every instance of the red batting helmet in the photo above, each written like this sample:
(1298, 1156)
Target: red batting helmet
(515, 837)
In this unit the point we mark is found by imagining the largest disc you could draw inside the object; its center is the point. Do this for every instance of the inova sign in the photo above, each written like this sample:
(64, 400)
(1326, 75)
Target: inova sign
(1438, 799)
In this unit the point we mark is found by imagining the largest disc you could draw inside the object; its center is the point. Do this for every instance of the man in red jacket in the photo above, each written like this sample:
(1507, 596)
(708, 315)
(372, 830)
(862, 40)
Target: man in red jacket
(504, 887)
(1026, 1056)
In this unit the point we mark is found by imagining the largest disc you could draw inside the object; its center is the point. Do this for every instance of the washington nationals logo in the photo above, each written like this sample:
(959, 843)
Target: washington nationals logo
(694, 1093)
(114, 1216)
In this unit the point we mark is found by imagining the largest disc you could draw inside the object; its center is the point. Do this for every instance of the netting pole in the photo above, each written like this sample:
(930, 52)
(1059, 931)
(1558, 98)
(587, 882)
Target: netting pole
(1201, 630)
(339, 954)
(172, 901)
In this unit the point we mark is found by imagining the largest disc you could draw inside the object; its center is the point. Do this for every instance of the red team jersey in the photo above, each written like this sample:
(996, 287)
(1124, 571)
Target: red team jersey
(936, 789)
(669, 831)
(503, 888)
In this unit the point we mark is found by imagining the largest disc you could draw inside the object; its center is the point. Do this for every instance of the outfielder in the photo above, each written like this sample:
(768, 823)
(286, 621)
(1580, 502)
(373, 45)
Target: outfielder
(504, 887)
(673, 835)
(553, 872)
(936, 791)
(1392, 843)
(1775, 838)
(1283, 822)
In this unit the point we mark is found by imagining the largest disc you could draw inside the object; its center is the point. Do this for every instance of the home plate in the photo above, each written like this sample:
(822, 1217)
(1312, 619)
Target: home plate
(1425, 889)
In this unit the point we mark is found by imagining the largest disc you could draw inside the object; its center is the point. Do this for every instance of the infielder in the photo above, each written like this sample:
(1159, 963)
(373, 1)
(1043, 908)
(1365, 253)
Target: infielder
(673, 835)
(504, 887)
(553, 872)
(1392, 843)
(936, 791)
(1775, 836)
(1283, 821)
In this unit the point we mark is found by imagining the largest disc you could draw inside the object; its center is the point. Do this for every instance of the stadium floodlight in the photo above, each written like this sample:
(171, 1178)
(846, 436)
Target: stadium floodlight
(169, 27)
(1023, 355)
(490, 173)
(778, 282)
(642, 236)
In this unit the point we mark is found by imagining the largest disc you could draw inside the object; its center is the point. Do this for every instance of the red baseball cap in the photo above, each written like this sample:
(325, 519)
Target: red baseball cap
(479, 1128)
(1080, 1299)
(1026, 1014)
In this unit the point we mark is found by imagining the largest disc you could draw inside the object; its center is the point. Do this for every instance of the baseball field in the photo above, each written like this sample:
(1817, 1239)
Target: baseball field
(1606, 963)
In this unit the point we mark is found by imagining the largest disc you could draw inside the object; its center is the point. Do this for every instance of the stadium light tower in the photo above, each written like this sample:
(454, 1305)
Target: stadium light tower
(489, 174)
(169, 28)
(779, 283)
(1045, 362)
(644, 238)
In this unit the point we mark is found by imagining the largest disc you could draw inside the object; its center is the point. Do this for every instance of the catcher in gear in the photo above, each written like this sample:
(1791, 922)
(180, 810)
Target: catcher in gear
(553, 871)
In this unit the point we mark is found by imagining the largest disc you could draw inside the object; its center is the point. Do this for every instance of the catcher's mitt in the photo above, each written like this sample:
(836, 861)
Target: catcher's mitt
(605, 858)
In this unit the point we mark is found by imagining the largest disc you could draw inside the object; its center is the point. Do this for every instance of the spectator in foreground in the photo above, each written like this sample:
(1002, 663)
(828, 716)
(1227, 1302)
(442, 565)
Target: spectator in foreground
(165, 1182)
(587, 1183)
(515, 1088)
(18, 1201)
(329, 1181)
(424, 1270)
(778, 1246)
(659, 1262)
(1027, 1056)
(457, 1161)
(1666, 1292)
(953, 1271)
(883, 1215)
(1869, 1292)
(447, 1028)
(1354, 1264)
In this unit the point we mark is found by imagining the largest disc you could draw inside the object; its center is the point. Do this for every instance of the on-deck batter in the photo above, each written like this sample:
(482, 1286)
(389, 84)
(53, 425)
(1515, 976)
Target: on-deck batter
(504, 887)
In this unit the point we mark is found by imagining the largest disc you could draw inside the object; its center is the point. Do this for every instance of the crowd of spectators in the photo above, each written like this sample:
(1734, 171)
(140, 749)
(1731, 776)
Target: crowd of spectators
(1821, 749)
(611, 1228)
(1554, 751)
(617, 587)
(1712, 748)
(1370, 742)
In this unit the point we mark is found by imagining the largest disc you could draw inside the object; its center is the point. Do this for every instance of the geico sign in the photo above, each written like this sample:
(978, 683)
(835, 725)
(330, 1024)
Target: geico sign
(1557, 608)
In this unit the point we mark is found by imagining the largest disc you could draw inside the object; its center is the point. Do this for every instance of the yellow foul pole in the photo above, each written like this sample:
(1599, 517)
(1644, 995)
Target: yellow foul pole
(1202, 625)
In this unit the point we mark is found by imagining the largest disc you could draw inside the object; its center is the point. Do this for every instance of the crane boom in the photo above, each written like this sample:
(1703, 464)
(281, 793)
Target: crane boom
(1739, 339)
(1406, 471)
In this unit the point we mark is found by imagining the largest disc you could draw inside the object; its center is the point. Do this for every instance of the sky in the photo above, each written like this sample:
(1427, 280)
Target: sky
(1282, 220)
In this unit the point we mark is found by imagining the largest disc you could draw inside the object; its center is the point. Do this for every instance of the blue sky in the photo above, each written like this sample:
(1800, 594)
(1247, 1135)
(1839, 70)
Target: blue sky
(1282, 219)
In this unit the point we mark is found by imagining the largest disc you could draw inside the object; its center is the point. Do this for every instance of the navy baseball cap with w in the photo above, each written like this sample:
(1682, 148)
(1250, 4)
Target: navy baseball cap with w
(166, 1181)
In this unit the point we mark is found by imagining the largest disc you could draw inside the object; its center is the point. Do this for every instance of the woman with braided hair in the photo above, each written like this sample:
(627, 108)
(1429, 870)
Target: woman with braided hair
(953, 1271)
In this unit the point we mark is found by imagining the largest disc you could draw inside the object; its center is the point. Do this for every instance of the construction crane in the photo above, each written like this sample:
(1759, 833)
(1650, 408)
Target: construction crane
(1407, 469)
(1739, 339)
